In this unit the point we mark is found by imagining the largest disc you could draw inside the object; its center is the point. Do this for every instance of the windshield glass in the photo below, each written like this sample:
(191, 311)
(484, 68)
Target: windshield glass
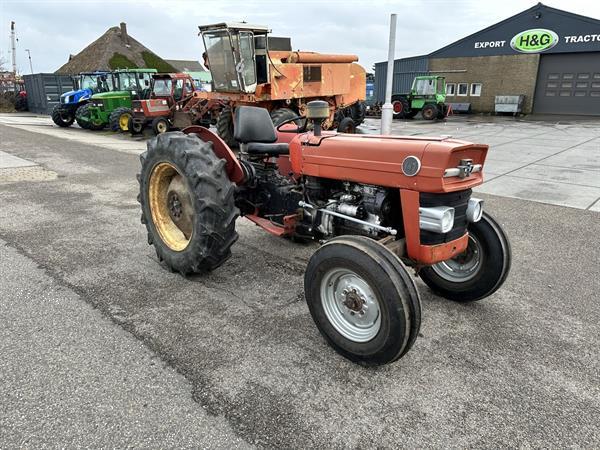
(246, 65)
(425, 87)
(127, 81)
(162, 87)
(221, 60)
(91, 82)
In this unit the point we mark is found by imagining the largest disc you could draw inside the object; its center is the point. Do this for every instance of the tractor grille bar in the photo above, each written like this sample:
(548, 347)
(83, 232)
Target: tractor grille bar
(457, 200)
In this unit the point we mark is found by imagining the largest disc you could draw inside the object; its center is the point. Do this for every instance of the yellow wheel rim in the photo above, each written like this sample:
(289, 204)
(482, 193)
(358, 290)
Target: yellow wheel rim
(124, 121)
(170, 206)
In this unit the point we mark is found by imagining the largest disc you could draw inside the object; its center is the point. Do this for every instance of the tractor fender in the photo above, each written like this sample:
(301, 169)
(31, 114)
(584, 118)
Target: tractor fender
(233, 167)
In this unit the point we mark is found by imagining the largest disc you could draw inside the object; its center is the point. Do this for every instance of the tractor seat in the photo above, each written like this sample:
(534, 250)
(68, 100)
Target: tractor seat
(254, 129)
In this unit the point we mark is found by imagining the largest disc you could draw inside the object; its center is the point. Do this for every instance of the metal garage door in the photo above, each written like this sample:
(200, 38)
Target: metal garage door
(568, 83)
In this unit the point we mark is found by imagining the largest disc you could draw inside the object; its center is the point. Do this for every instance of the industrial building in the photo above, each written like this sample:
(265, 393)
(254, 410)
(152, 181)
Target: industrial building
(550, 56)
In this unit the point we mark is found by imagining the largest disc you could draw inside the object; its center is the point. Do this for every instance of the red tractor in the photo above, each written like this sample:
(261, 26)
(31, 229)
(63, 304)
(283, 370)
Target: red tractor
(378, 204)
(169, 93)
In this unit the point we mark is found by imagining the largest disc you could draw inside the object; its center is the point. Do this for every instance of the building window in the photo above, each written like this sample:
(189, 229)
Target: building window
(451, 89)
(463, 89)
(475, 89)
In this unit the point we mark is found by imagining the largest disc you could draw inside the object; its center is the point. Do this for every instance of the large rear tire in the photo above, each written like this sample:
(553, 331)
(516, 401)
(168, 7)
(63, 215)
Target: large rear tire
(187, 203)
(63, 117)
(362, 299)
(400, 107)
(225, 126)
(280, 115)
(119, 119)
(479, 271)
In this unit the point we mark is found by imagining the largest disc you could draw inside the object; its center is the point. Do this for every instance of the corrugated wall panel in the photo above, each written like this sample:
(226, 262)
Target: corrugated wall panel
(44, 90)
(405, 70)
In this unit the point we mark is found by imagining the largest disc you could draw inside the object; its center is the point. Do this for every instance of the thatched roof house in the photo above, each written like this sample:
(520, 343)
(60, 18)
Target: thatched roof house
(115, 49)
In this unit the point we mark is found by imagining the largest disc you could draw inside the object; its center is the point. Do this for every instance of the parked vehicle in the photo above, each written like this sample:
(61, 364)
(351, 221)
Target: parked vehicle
(169, 93)
(113, 108)
(378, 206)
(84, 86)
(427, 96)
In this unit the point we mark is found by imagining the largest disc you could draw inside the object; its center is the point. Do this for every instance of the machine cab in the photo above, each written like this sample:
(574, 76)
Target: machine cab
(429, 86)
(237, 55)
(172, 87)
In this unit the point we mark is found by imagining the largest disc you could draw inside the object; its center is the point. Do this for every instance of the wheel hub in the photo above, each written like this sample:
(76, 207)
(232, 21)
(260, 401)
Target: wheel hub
(175, 206)
(350, 305)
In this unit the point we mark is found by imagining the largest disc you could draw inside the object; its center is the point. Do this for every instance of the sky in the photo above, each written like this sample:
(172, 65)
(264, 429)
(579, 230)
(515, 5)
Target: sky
(52, 30)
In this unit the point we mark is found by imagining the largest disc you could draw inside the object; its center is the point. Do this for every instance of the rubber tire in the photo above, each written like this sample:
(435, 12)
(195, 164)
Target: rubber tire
(213, 199)
(493, 270)
(398, 298)
(225, 126)
(135, 129)
(405, 107)
(280, 115)
(57, 118)
(81, 113)
(429, 112)
(113, 119)
(358, 111)
(21, 104)
(347, 125)
(156, 123)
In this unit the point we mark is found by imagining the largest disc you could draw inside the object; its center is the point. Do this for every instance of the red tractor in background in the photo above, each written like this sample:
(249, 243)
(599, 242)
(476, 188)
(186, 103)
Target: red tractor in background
(378, 204)
(170, 92)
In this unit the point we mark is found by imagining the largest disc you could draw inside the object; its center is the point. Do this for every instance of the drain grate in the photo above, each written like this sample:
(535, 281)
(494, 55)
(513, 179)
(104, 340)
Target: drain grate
(32, 173)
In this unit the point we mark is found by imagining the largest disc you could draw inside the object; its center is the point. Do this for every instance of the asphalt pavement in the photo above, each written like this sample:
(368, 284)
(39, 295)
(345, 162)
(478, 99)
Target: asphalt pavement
(95, 328)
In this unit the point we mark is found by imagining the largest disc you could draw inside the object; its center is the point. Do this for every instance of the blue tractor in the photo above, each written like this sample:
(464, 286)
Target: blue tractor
(84, 86)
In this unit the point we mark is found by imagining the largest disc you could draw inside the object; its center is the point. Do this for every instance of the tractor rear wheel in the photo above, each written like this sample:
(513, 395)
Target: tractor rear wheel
(363, 300)
(280, 115)
(429, 112)
(400, 107)
(119, 119)
(479, 271)
(347, 125)
(63, 117)
(225, 126)
(187, 203)
(160, 125)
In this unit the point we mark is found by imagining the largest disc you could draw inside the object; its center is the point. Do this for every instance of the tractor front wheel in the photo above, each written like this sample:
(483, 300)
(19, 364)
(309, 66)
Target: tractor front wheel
(477, 272)
(119, 119)
(225, 126)
(363, 300)
(160, 125)
(187, 203)
(347, 125)
(429, 112)
(63, 117)
(135, 128)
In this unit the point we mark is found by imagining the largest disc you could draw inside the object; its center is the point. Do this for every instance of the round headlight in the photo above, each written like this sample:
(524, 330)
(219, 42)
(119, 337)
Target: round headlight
(447, 220)
(411, 166)
(474, 209)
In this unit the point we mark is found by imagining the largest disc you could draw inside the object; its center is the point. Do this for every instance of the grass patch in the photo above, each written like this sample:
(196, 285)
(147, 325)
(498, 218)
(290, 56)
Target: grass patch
(119, 61)
(154, 62)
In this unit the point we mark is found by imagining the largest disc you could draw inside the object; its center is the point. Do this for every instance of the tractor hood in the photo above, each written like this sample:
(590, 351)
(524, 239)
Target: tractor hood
(113, 94)
(76, 96)
(378, 160)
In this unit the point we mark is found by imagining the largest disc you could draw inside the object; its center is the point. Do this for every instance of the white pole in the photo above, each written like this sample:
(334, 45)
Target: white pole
(13, 47)
(386, 111)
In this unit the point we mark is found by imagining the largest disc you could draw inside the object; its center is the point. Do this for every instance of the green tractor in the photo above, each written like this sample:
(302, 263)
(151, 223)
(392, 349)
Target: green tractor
(114, 108)
(427, 95)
